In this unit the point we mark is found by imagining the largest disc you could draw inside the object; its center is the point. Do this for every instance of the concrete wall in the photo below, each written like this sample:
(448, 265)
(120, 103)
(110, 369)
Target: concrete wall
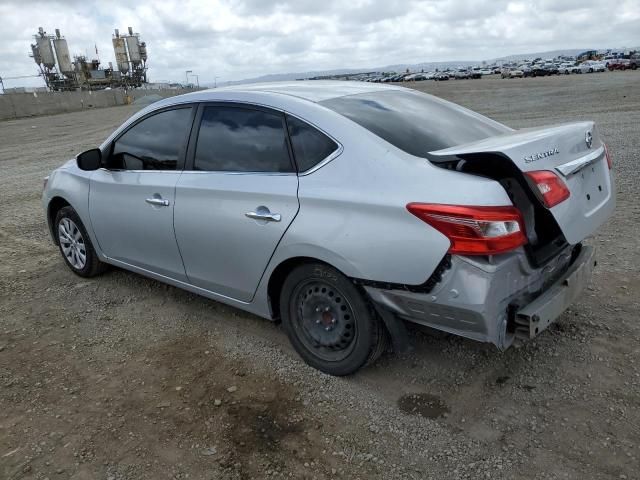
(20, 105)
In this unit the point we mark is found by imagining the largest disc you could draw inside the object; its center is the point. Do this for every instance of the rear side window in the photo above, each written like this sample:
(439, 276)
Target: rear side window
(235, 139)
(155, 143)
(415, 122)
(310, 146)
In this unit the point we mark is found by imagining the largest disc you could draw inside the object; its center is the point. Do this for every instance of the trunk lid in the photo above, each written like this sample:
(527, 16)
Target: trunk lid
(573, 151)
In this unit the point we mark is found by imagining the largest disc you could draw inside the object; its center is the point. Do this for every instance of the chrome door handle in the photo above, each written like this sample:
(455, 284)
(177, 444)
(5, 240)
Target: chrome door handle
(161, 202)
(270, 217)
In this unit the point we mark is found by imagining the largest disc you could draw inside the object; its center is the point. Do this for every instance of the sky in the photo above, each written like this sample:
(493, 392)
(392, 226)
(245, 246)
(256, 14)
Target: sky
(238, 39)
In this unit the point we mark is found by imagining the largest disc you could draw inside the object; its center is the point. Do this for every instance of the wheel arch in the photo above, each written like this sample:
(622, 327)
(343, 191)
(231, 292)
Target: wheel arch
(280, 273)
(394, 328)
(53, 207)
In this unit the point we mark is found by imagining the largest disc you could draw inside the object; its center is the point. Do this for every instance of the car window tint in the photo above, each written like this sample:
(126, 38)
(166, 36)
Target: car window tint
(310, 146)
(415, 122)
(155, 143)
(233, 139)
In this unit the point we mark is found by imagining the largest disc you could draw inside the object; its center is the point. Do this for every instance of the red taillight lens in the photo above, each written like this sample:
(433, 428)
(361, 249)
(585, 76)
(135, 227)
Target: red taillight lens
(550, 188)
(607, 154)
(474, 230)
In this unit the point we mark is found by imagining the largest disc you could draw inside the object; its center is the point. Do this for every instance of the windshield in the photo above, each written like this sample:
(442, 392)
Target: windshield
(415, 122)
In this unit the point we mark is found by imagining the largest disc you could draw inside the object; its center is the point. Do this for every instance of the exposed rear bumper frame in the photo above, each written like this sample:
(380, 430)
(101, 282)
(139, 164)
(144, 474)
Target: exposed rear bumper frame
(503, 301)
(546, 308)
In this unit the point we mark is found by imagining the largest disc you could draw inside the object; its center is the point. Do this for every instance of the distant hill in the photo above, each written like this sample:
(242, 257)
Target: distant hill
(549, 54)
(401, 67)
(281, 77)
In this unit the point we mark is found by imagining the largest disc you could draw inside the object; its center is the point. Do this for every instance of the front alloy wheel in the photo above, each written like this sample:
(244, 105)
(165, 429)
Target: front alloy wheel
(72, 243)
(75, 244)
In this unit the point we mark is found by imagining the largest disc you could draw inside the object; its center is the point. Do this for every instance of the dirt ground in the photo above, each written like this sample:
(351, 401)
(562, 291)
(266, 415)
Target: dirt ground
(120, 377)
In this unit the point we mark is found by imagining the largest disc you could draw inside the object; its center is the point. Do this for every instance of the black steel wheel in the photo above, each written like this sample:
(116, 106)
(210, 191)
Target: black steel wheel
(324, 319)
(329, 321)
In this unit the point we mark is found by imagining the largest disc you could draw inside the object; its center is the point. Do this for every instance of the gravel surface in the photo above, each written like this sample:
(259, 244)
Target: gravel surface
(120, 377)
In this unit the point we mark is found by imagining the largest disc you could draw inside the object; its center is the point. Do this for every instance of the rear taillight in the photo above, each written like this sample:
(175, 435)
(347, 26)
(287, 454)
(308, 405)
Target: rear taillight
(607, 154)
(551, 190)
(474, 230)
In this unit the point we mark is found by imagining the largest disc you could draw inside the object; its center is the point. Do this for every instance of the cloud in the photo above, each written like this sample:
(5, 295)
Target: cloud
(235, 39)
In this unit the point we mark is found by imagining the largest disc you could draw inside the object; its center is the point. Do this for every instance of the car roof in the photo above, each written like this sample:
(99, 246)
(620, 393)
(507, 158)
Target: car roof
(311, 90)
(294, 96)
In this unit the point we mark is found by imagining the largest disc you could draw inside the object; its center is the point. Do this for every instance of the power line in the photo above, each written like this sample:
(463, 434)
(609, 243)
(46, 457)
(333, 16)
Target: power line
(14, 78)
(20, 76)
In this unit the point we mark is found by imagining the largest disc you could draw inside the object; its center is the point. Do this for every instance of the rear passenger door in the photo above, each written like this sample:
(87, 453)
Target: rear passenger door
(236, 197)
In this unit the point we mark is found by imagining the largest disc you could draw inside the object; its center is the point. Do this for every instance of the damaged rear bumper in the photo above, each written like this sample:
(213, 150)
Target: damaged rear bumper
(535, 317)
(497, 301)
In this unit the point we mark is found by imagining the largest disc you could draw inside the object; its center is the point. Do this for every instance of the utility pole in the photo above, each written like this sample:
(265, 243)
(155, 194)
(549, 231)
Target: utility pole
(186, 76)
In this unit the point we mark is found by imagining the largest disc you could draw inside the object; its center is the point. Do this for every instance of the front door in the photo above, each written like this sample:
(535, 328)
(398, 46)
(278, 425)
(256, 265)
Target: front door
(236, 199)
(131, 201)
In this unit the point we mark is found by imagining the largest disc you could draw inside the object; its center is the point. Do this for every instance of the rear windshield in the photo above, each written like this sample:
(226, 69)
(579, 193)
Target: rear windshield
(415, 122)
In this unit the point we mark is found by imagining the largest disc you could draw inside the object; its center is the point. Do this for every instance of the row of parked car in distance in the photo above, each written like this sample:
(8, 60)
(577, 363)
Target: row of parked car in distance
(459, 74)
(567, 68)
(406, 77)
(631, 63)
(538, 67)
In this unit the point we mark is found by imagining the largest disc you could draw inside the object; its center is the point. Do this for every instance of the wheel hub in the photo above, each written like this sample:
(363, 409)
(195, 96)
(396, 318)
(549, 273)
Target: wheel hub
(72, 243)
(328, 320)
(325, 318)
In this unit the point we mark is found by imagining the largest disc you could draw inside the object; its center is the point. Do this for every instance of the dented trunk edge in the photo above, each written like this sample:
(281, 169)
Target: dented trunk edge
(491, 299)
(544, 236)
(574, 152)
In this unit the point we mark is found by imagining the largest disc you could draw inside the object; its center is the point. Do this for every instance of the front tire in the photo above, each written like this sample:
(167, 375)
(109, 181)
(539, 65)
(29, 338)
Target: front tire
(75, 245)
(329, 321)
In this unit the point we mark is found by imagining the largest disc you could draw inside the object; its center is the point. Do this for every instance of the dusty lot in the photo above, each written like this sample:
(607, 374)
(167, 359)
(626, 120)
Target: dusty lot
(120, 377)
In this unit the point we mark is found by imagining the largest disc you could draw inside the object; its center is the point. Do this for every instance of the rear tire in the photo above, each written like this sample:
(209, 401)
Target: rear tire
(329, 321)
(75, 245)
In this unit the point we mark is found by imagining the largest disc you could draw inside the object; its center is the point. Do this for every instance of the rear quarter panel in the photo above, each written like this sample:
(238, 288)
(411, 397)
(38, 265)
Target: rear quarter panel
(353, 210)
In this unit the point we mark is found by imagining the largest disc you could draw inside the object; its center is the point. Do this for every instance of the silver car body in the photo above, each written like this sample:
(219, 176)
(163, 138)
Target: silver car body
(348, 211)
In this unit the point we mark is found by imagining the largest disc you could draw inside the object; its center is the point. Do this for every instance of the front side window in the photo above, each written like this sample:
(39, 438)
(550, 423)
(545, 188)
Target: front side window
(236, 139)
(155, 143)
(310, 146)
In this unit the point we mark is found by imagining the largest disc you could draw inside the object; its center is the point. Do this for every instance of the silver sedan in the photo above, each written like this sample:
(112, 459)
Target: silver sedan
(342, 209)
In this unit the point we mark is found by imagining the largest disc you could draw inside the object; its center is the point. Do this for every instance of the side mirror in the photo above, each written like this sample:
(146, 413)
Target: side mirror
(89, 160)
